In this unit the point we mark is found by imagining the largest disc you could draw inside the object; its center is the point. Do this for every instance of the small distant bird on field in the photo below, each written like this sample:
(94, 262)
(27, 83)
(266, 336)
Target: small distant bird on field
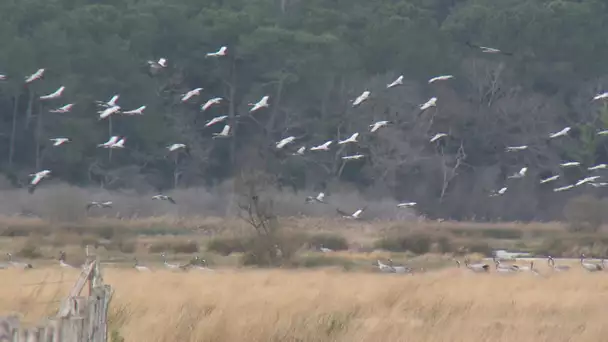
(138, 111)
(320, 198)
(564, 188)
(211, 102)
(406, 205)
(175, 147)
(597, 167)
(377, 125)
(263, 103)
(113, 140)
(590, 266)
(432, 102)
(361, 98)
(300, 151)
(54, 95)
(356, 215)
(60, 141)
(108, 111)
(219, 53)
(520, 174)
(397, 82)
(570, 164)
(194, 92)
(62, 263)
(561, 133)
(64, 109)
(322, 147)
(549, 179)
(351, 139)
(17, 264)
(325, 250)
(107, 204)
(499, 192)
(164, 198)
(216, 120)
(38, 177)
(516, 148)
(440, 78)
(223, 134)
(354, 157)
(35, 76)
(111, 103)
(438, 136)
(285, 141)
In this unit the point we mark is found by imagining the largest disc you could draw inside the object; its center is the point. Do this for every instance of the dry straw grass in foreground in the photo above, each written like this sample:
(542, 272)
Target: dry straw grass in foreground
(276, 305)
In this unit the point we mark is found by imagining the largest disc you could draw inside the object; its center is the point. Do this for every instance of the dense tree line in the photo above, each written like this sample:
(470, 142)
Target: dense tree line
(313, 58)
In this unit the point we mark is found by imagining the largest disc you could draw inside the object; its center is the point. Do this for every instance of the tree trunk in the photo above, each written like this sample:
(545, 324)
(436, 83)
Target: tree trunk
(11, 151)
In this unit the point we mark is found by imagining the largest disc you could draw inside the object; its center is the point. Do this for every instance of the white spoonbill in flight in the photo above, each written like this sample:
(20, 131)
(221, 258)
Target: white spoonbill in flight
(356, 215)
(119, 144)
(564, 188)
(499, 192)
(224, 133)
(406, 205)
(320, 198)
(194, 92)
(164, 198)
(161, 63)
(561, 133)
(216, 120)
(322, 147)
(586, 180)
(351, 139)
(35, 76)
(285, 141)
(438, 136)
(601, 96)
(520, 174)
(111, 103)
(516, 148)
(219, 53)
(300, 151)
(113, 140)
(63, 109)
(604, 132)
(107, 204)
(260, 104)
(432, 102)
(108, 111)
(38, 177)
(54, 95)
(362, 98)
(397, 82)
(570, 164)
(354, 157)
(137, 111)
(3, 77)
(60, 141)
(175, 147)
(549, 179)
(440, 78)
(377, 125)
(211, 102)
(597, 167)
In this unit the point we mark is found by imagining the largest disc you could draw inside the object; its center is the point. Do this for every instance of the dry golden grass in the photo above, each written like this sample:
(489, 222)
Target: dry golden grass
(277, 305)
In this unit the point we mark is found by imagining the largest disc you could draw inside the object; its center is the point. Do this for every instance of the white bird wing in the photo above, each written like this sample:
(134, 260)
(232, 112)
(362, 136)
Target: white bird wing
(225, 130)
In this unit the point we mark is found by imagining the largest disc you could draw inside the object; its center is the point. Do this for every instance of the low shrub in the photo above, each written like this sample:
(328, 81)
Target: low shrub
(324, 261)
(328, 240)
(29, 252)
(417, 243)
(185, 247)
(227, 245)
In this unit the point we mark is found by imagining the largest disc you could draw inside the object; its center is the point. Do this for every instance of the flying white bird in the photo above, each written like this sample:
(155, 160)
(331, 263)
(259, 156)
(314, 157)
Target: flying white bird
(285, 141)
(54, 95)
(353, 157)
(60, 141)
(549, 179)
(598, 185)
(38, 177)
(362, 98)
(561, 133)
(438, 136)
(164, 198)
(320, 198)
(570, 164)
(211, 102)
(138, 111)
(175, 147)
(111, 103)
(604, 132)
(406, 205)
(352, 139)
(107, 204)
(601, 96)
(35, 76)
(499, 192)
(300, 151)
(586, 180)
(322, 147)
(64, 109)
(2, 77)
(356, 215)
(119, 144)
(221, 52)
(440, 78)
(397, 82)
(113, 140)
(520, 174)
(223, 134)
(377, 125)
(194, 92)
(516, 148)
(563, 188)
(260, 104)
(108, 111)
(161, 63)
(597, 167)
(216, 120)
(432, 102)
(486, 49)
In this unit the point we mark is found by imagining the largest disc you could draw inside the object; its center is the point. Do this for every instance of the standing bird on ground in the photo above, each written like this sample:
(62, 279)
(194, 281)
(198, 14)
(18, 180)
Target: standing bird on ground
(320, 198)
(440, 78)
(223, 134)
(432, 102)
(138, 111)
(54, 95)
(194, 92)
(397, 82)
(63, 109)
(60, 141)
(377, 125)
(285, 141)
(35, 76)
(558, 268)
(322, 147)
(17, 264)
(211, 102)
(477, 268)
(175, 147)
(561, 133)
(164, 198)
(108, 111)
(589, 266)
(216, 120)
(38, 177)
(219, 53)
(62, 262)
(351, 139)
(102, 205)
(139, 267)
(362, 98)
(263, 103)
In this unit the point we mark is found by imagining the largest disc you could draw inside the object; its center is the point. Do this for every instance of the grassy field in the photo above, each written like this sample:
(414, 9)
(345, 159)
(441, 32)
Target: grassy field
(330, 305)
